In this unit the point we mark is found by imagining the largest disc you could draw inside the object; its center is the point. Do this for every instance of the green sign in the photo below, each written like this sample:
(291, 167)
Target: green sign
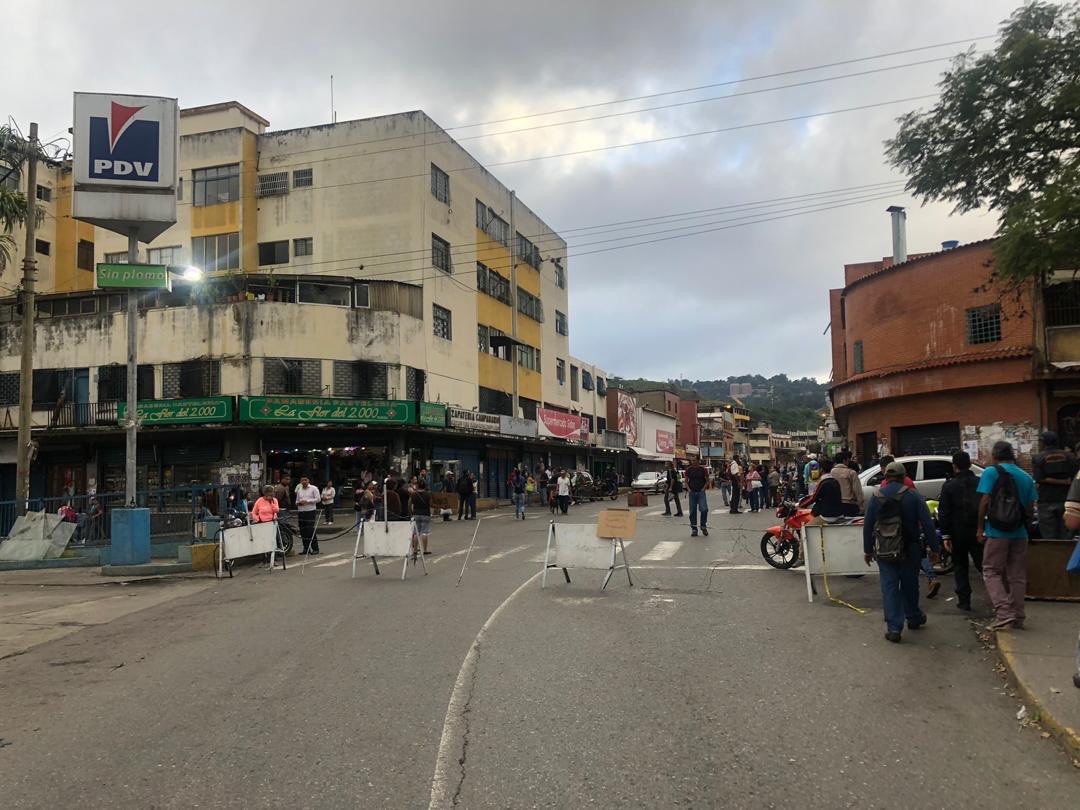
(320, 409)
(432, 414)
(133, 276)
(181, 411)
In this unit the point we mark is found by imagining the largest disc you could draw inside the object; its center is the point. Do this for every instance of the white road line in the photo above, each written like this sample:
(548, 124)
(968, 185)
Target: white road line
(333, 563)
(653, 514)
(441, 557)
(703, 567)
(502, 554)
(664, 550)
(452, 733)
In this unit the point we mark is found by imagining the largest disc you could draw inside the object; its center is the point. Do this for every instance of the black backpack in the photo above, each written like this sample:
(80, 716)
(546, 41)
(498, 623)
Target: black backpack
(1005, 513)
(889, 545)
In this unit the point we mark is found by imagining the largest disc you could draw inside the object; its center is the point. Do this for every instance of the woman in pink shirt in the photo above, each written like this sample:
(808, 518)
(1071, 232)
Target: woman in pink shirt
(753, 487)
(266, 508)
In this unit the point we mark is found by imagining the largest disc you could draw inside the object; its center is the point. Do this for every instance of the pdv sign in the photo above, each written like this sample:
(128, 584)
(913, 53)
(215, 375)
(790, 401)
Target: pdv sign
(125, 162)
(125, 140)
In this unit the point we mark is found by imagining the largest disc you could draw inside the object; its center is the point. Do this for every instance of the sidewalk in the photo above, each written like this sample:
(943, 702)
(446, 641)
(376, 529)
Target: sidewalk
(1041, 661)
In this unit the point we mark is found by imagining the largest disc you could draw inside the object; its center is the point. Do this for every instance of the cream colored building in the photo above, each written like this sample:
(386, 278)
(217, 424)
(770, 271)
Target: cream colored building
(362, 260)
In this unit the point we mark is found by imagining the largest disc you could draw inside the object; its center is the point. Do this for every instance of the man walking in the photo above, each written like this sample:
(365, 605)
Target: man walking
(958, 516)
(1054, 470)
(724, 478)
(563, 485)
(852, 500)
(895, 518)
(672, 488)
(307, 500)
(464, 493)
(327, 497)
(517, 488)
(735, 474)
(697, 480)
(1008, 496)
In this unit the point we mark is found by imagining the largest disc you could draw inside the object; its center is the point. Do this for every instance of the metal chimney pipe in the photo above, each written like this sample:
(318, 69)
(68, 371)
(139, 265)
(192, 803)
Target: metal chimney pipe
(899, 233)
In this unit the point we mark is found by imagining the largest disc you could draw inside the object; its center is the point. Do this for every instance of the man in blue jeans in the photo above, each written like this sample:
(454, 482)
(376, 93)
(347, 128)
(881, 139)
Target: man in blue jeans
(697, 481)
(900, 580)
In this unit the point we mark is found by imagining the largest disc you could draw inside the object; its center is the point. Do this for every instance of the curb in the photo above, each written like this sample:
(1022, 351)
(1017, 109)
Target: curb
(1066, 735)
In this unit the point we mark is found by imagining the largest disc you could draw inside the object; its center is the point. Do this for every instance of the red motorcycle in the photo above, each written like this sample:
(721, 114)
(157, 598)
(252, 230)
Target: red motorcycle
(780, 544)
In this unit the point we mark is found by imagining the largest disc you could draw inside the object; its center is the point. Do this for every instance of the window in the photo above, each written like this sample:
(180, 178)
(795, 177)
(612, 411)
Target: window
(984, 324)
(560, 323)
(440, 253)
(301, 178)
(292, 377)
(440, 184)
(9, 177)
(338, 295)
(215, 253)
(363, 295)
(490, 282)
(574, 383)
(934, 470)
(560, 371)
(360, 379)
(529, 304)
(483, 341)
(440, 322)
(220, 184)
(42, 247)
(303, 247)
(192, 379)
(44, 193)
(48, 384)
(857, 363)
(273, 184)
(528, 357)
(492, 224)
(528, 252)
(274, 252)
(120, 257)
(164, 255)
(179, 189)
(84, 255)
(601, 387)
(586, 380)
(112, 383)
(560, 276)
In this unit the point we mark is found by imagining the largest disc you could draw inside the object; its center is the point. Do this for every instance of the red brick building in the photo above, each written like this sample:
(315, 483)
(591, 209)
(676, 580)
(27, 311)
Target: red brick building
(928, 358)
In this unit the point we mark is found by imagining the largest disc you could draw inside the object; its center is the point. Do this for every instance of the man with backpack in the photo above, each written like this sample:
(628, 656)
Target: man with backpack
(958, 516)
(697, 480)
(812, 473)
(1008, 497)
(896, 518)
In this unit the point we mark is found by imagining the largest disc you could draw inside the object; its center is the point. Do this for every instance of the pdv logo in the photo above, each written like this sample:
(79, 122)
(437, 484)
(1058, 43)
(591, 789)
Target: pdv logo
(122, 147)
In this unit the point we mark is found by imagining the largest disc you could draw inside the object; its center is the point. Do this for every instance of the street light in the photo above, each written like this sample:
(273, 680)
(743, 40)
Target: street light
(192, 273)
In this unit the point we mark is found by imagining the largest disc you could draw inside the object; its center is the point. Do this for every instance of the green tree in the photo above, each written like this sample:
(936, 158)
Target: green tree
(13, 203)
(1004, 135)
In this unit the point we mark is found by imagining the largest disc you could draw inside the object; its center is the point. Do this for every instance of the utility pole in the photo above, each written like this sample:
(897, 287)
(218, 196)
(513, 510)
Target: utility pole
(26, 369)
(132, 426)
(515, 353)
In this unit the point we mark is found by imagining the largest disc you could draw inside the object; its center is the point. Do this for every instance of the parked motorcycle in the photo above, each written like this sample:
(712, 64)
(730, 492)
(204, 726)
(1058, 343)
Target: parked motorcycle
(780, 544)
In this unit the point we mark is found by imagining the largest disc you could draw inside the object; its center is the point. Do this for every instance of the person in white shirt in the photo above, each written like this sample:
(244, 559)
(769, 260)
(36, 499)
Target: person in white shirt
(307, 501)
(328, 496)
(564, 491)
(735, 471)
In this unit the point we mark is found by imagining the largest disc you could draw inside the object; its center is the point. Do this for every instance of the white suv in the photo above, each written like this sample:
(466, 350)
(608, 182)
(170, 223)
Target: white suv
(928, 473)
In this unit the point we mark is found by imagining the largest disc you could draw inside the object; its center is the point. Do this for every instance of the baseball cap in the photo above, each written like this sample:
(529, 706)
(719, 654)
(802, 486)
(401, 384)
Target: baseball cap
(895, 470)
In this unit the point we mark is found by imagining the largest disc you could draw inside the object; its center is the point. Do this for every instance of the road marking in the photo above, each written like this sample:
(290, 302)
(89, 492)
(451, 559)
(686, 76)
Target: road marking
(664, 550)
(502, 554)
(452, 733)
(653, 514)
(333, 563)
(704, 567)
(442, 557)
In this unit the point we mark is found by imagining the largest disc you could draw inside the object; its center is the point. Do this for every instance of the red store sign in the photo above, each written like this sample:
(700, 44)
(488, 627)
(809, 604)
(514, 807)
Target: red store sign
(559, 425)
(665, 441)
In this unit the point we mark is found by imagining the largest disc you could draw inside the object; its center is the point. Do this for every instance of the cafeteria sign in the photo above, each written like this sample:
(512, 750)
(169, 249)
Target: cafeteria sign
(133, 276)
(321, 409)
(180, 411)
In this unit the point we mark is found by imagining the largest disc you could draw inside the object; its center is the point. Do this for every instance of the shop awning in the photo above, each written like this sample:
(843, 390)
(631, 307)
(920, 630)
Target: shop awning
(645, 455)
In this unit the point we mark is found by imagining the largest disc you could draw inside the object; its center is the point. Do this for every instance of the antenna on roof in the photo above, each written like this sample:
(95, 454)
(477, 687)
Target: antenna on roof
(333, 113)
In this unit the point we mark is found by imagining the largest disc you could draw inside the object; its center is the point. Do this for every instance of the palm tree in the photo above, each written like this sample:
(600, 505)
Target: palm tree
(13, 203)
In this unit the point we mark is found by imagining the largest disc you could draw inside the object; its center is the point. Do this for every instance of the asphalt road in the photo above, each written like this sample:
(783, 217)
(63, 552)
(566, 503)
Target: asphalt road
(709, 683)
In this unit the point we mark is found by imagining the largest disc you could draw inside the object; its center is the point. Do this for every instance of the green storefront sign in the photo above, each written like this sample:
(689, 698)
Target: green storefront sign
(319, 409)
(133, 276)
(432, 414)
(181, 411)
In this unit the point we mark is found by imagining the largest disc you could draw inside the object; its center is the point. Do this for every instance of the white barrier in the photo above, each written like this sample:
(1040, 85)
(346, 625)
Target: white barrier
(833, 550)
(388, 539)
(575, 545)
(247, 540)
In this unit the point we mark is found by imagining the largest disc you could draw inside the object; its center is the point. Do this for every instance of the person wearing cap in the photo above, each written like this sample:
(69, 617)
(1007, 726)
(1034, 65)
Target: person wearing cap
(1054, 469)
(900, 580)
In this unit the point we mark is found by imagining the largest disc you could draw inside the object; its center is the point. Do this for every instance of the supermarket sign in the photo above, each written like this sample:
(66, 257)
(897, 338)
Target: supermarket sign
(325, 409)
(180, 411)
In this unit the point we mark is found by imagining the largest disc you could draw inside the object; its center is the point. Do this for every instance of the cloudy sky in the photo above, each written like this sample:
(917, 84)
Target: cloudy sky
(735, 293)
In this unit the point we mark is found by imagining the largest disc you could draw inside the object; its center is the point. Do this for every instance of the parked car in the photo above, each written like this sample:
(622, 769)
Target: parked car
(928, 473)
(648, 482)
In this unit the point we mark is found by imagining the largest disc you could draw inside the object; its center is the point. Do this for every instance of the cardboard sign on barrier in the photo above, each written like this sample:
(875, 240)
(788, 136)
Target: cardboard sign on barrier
(573, 545)
(620, 523)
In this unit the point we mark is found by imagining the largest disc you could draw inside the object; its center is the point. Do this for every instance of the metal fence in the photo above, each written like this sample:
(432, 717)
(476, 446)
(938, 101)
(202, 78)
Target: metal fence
(172, 511)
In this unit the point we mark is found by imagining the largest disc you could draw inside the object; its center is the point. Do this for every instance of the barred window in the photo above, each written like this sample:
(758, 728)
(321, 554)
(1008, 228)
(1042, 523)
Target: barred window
(528, 357)
(560, 277)
(560, 323)
(528, 252)
(273, 184)
(490, 282)
(529, 304)
(857, 363)
(983, 324)
(492, 224)
(219, 184)
(440, 184)
(303, 247)
(482, 337)
(440, 253)
(301, 178)
(440, 322)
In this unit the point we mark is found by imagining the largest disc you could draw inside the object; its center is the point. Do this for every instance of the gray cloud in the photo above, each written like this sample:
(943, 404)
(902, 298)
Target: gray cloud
(746, 299)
